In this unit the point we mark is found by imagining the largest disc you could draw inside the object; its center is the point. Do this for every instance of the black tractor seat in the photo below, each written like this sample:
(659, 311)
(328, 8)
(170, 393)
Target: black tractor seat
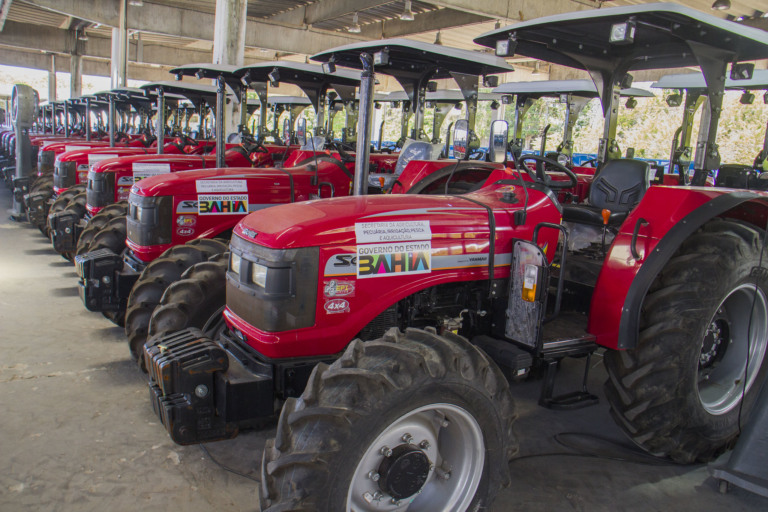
(618, 187)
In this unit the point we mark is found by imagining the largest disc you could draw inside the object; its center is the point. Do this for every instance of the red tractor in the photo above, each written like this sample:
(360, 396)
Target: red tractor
(421, 419)
(70, 159)
(198, 206)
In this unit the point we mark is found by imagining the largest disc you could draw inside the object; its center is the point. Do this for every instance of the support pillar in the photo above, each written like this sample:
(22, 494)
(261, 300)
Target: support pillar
(52, 79)
(229, 46)
(118, 65)
(76, 76)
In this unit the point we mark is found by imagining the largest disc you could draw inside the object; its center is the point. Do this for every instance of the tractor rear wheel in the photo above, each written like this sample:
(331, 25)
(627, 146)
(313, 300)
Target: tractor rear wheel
(153, 282)
(682, 391)
(197, 300)
(411, 421)
(97, 223)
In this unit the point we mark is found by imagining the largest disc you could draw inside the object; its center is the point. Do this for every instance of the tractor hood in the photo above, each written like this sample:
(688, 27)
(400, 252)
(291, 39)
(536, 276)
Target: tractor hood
(350, 220)
(215, 180)
(126, 162)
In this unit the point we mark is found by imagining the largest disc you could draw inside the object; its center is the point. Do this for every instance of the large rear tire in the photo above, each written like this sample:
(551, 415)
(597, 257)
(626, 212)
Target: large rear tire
(97, 223)
(197, 300)
(413, 420)
(678, 394)
(154, 280)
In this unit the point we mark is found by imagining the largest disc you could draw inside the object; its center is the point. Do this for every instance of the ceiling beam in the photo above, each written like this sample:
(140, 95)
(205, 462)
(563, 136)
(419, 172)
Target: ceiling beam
(512, 10)
(62, 42)
(427, 22)
(188, 23)
(42, 61)
(325, 10)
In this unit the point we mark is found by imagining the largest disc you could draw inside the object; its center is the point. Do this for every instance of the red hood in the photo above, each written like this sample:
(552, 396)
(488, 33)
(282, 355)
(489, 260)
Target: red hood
(332, 221)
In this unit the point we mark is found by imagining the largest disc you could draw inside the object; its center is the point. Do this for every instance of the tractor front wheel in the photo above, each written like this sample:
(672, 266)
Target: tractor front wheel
(701, 352)
(411, 421)
(97, 223)
(197, 300)
(154, 280)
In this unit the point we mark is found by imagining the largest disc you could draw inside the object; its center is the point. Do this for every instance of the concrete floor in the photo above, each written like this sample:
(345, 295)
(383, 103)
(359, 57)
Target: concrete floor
(77, 432)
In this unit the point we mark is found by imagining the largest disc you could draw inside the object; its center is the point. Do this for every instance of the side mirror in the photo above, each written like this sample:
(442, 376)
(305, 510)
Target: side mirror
(675, 100)
(460, 139)
(742, 71)
(498, 145)
(287, 130)
(301, 132)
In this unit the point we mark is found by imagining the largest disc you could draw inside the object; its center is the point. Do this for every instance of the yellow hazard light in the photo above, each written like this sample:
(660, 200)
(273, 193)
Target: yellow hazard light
(530, 280)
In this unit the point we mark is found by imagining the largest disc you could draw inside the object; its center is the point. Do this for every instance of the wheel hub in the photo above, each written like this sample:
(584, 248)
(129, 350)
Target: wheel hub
(715, 343)
(404, 472)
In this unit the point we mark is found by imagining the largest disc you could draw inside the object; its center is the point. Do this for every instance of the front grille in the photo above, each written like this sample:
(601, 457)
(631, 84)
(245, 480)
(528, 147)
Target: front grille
(150, 220)
(65, 174)
(288, 297)
(101, 189)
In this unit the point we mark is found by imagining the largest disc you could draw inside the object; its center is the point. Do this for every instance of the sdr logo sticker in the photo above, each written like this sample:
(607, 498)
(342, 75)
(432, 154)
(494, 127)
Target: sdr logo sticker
(336, 306)
(222, 204)
(397, 259)
(337, 288)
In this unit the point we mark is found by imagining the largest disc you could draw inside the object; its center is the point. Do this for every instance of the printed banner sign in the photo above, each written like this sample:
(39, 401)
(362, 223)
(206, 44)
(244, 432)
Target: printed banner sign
(145, 170)
(92, 159)
(220, 204)
(211, 186)
(399, 231)
(399, 259)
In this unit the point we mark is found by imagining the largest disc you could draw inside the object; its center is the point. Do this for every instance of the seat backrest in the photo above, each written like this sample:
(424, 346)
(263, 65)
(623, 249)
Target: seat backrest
(315, 143)
(620, 185)
(416, 150)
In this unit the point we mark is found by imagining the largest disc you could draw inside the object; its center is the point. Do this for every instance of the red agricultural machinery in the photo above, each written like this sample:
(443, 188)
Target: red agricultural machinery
(480, 288)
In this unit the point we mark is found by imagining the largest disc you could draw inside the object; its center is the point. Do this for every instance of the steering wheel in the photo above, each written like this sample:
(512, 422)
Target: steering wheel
(592, 162)
(540, 176)
(186, 140)
(342, 148)
(252, 145)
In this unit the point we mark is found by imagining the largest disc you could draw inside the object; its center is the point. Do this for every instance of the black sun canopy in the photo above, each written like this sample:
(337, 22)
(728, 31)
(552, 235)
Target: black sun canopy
(608, 43)
(409, 59)
(650, 36)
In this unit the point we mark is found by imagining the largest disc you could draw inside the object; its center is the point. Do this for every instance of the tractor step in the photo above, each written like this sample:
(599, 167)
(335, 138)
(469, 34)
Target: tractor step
(557, 344)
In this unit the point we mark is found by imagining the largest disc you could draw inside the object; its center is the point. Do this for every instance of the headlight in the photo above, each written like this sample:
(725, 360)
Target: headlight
(562, 159)
(259, 275)
(234, 263)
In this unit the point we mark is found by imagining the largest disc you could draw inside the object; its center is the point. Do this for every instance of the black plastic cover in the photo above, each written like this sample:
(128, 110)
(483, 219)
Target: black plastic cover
(281, 305)
(150, 220)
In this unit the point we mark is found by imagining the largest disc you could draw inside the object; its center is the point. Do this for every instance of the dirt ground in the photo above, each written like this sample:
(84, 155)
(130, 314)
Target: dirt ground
(77, 431)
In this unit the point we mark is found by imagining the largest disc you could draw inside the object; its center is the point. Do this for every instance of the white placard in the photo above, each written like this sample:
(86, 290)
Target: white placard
(392, 260)
(92, 159)
(74, 148)
(398, 231)
(222, 204)
(143, 170)
(212, 186)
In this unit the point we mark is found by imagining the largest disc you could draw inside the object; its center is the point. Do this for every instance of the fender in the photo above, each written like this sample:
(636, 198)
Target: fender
(624, 282)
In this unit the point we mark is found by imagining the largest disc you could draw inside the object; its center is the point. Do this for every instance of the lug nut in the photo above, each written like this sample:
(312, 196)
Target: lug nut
(407, 438)
(385, 451)
(395, 502)
(424, 445)
(442, 474)
(373, 475)
(201, 391)
(445, 423)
